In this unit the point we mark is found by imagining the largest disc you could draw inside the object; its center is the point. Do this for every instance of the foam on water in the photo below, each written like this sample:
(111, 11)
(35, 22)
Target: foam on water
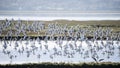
(58, 18)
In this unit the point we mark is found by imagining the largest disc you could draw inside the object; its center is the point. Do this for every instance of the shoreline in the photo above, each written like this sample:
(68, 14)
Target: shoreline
(52, 18)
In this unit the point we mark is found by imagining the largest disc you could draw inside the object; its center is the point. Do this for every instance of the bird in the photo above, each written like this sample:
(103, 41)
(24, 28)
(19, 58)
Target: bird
(95, 59)
(5, 45)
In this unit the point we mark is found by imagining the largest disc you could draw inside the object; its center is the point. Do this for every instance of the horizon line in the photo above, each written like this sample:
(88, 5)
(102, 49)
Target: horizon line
(51, 11)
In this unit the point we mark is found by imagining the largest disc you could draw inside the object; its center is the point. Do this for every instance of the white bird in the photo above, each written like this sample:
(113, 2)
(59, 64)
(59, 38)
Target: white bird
(4, 45)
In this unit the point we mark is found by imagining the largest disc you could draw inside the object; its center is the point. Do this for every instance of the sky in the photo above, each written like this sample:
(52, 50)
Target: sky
(60, 5)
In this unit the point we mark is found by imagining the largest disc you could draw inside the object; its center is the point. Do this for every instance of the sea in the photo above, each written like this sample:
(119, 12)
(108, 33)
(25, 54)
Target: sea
(55, 15)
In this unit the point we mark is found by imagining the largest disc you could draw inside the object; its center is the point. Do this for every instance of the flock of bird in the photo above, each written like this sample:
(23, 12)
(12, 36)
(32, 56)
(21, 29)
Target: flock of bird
(70, 40)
